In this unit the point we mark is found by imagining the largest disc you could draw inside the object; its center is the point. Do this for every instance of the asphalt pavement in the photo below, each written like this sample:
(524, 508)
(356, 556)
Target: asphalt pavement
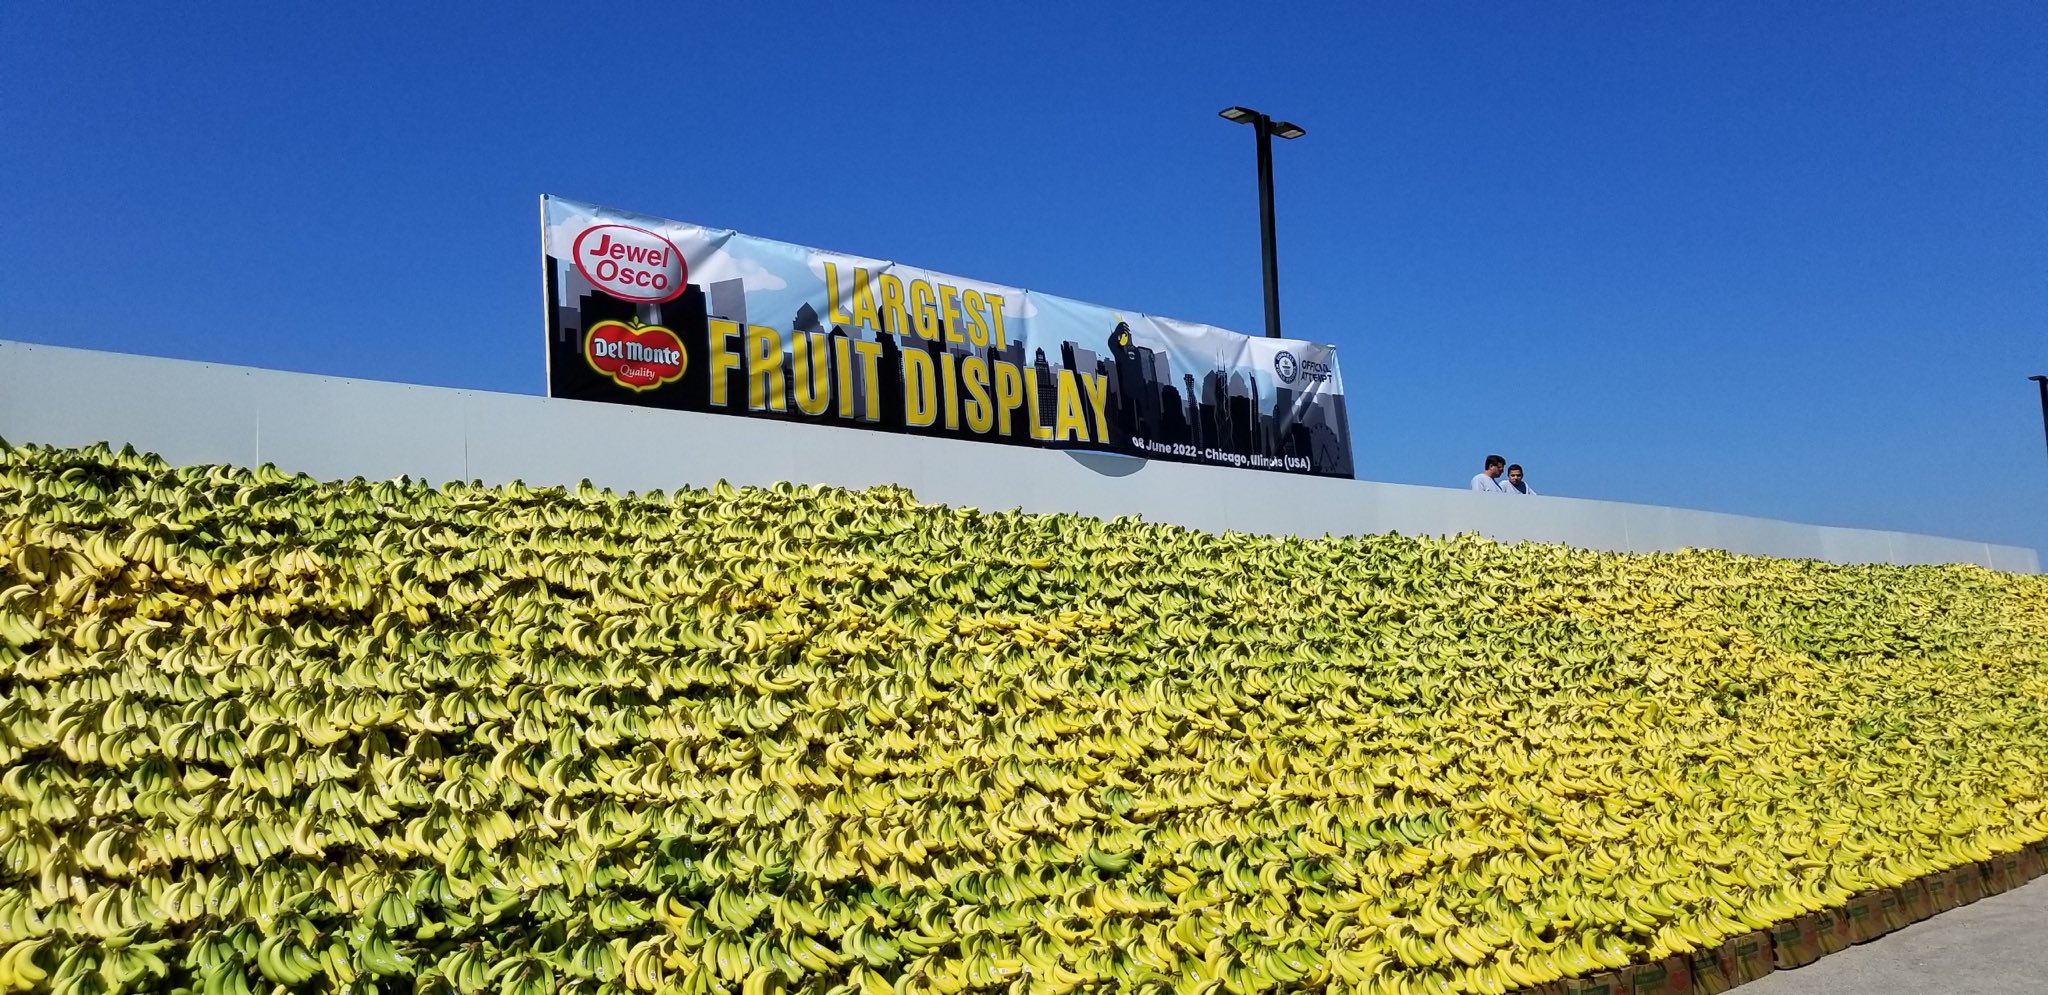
(1996, 946)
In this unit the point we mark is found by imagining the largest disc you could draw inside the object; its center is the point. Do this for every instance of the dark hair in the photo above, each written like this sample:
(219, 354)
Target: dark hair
(1495, 461)
(1513, 467)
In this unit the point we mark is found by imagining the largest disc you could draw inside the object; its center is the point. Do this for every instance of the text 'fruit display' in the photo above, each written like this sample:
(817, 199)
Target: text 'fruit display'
(259, 732)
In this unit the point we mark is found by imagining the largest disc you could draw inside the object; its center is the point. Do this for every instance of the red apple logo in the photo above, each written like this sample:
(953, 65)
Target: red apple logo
(635, 356)
(631, 264)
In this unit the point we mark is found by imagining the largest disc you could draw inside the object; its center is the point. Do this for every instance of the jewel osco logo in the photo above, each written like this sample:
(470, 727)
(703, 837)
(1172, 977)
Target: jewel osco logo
(634, 356)
(631, 264)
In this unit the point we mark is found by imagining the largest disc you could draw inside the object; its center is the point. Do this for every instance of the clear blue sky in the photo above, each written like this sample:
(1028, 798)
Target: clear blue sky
(1776, 259)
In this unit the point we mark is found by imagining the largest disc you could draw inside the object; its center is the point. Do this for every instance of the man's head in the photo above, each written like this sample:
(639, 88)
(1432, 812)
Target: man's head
(1494, 465)
(1515, 474)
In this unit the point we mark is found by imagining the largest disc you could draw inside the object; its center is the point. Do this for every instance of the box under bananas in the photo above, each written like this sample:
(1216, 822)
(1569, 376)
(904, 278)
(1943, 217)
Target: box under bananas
(261, 731)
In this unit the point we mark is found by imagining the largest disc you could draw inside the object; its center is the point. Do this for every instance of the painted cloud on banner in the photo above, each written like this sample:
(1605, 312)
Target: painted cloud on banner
(725, 266)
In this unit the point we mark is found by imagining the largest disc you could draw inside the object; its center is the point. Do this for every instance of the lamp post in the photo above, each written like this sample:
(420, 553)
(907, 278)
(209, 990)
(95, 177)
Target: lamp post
(2042, 382)
(1265, 128)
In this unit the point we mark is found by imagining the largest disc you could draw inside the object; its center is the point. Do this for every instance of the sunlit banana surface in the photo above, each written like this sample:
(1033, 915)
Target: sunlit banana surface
(261, 732)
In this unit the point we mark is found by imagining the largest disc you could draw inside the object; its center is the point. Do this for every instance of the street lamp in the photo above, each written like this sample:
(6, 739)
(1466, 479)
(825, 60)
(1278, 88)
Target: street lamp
(1265, 128)
(2042, 382)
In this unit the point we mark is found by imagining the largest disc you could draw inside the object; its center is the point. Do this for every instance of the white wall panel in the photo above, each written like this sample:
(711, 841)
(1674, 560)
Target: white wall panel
(334, 428)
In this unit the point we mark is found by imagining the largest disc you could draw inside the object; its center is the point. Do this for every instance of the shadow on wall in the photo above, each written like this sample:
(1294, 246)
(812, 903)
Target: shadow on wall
(1109, 464)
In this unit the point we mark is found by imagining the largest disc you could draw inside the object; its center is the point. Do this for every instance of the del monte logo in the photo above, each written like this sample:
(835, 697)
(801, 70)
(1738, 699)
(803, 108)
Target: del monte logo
(631, 264)
(634, 356)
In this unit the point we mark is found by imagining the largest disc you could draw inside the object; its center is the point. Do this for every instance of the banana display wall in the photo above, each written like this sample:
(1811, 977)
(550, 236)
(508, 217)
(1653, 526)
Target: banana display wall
(259, 732)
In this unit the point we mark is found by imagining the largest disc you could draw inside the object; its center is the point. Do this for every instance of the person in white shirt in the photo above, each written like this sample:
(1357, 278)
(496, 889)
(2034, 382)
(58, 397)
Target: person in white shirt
(1516, 485)
(1488, 480)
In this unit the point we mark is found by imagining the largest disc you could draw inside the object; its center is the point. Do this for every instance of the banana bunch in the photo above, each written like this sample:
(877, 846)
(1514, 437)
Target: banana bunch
(261, 732)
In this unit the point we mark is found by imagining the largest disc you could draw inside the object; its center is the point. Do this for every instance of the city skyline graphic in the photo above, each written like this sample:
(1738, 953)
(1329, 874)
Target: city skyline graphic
(1218, 415)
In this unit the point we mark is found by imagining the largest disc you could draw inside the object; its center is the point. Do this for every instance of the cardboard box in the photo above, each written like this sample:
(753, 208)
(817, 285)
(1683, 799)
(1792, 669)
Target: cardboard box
(2005, 872)
(1604, 983)
(1931, 898)
(2030, 863)
(1914, 901)
(1795, 943)
(1747, 957)
(1670, 976)
(1834, 931)
(1994, 877)
(1891, 909)
(1546, 988)
(1969, 880)
(1864, 923)
(1941, 891)
(1708, 976)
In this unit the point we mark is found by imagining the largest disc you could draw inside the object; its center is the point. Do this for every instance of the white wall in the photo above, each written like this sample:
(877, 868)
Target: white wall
(334, 427)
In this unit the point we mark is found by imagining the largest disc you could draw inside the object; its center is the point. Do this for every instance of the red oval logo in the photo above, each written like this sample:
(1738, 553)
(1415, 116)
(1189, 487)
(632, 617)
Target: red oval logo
(631, 264)
(636, 357)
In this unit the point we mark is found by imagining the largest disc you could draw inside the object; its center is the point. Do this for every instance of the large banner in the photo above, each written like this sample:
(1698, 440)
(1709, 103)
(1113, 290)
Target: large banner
(672, 315)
